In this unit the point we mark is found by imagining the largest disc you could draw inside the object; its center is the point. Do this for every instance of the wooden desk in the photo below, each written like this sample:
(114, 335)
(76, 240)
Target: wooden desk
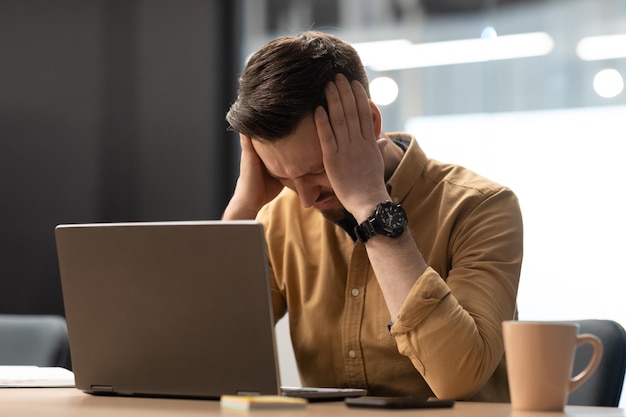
(69, 402)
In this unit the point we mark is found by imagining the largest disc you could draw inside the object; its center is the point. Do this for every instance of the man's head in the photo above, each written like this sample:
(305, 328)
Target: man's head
(284, 82)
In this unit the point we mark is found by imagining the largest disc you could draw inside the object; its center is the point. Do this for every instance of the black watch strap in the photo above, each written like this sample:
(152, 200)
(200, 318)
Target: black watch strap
(365, 230)
(388, 219)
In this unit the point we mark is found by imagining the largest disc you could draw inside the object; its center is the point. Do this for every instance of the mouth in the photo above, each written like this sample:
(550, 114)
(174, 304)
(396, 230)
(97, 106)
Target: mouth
(325, 202)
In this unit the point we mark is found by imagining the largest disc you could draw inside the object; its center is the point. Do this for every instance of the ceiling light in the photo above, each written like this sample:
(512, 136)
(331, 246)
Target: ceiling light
(383, 90)
(596, 48)
(402, 54)
(608, 83)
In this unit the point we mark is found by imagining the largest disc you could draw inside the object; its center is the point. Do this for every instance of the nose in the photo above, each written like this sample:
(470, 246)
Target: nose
(307, 191)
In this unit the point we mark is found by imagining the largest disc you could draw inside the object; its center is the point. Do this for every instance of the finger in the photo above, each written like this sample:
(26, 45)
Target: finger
(324, 132)
(247, 150)
(348, 106)
(382, 144)
(336, 117)
(244, 141)
(366, 124)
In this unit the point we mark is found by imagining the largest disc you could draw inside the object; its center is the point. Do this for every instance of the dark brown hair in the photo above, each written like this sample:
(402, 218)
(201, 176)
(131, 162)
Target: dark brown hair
(284, 81)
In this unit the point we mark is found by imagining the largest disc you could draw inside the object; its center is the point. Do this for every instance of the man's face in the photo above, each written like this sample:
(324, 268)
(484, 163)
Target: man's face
(296, 161)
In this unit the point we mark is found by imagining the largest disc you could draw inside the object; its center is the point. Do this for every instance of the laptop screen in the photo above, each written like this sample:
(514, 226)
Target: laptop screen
(179, 309)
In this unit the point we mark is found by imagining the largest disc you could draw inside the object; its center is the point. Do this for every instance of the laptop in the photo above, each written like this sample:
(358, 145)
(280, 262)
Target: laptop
(172, 309)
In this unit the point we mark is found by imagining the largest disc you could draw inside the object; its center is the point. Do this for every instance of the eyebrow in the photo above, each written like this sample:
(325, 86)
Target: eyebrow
(313, 171)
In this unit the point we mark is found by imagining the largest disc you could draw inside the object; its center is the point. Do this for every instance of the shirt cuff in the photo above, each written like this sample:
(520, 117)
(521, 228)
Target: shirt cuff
(423, 298)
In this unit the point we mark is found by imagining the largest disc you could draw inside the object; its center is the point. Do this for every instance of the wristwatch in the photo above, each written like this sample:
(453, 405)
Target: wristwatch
(388, 219)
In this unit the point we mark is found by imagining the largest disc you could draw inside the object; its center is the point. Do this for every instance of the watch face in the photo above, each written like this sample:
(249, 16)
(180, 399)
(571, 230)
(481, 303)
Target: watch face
(388, 219)
(392, 218)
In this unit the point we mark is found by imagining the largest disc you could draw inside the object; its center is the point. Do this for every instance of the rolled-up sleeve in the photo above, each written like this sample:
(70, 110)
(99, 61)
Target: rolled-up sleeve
(450, 325)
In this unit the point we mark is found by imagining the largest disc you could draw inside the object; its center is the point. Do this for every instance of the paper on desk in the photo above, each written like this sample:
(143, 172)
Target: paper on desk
(35, 376)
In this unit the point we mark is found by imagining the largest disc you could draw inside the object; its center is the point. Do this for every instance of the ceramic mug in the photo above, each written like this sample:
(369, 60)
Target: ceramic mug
(539, 360)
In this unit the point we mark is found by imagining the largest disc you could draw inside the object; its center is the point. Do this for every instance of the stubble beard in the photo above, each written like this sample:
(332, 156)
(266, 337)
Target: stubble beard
(335, 214)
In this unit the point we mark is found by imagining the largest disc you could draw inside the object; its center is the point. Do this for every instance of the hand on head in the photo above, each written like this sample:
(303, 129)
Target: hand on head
(350, 146)
(255, 187)
(350, 157)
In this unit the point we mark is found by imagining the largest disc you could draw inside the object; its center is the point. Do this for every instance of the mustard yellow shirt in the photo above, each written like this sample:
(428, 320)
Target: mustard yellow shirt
(446, 340)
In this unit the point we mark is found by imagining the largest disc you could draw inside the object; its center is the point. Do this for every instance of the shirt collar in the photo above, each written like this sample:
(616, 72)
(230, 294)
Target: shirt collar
(409, 169)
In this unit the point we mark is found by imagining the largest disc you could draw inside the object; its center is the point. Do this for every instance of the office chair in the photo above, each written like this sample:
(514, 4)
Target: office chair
(604, 387)
(40, 340)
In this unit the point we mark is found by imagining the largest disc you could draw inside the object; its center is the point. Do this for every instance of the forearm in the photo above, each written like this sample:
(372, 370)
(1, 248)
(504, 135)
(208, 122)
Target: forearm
(455, 348)
(236, 210)
(397, 263)
(254, 186)
(450, 323)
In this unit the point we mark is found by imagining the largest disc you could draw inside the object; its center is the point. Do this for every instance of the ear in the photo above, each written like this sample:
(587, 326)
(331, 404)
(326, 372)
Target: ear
(377, 119)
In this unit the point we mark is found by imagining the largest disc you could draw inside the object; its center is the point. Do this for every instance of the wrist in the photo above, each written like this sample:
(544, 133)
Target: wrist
(365, 209)
(387, 219)
(235, 211)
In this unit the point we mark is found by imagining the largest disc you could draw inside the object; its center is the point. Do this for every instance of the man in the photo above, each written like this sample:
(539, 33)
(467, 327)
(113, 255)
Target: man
(396, 270)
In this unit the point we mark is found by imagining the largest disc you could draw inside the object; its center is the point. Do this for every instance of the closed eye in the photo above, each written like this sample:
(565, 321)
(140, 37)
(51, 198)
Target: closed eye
(311, 173)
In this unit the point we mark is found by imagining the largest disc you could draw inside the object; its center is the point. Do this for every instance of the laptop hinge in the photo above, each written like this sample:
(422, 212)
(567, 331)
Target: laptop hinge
(102, 389)
(245, 392)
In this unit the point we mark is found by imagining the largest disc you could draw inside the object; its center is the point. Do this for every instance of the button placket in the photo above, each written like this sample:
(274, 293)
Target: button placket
(353, 316)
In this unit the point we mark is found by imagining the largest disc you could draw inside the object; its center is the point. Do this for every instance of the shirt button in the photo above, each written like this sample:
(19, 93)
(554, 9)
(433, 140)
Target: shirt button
(355, 291)
(352, 354)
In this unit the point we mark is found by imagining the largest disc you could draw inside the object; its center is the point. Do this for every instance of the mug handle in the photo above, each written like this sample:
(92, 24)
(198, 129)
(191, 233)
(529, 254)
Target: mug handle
(578, 380)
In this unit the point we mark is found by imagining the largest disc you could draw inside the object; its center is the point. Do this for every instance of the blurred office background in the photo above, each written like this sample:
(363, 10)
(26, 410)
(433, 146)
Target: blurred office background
(113, 110)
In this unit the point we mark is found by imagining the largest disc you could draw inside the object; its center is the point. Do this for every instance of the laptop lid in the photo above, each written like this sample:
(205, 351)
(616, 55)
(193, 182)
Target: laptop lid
(180, 309)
